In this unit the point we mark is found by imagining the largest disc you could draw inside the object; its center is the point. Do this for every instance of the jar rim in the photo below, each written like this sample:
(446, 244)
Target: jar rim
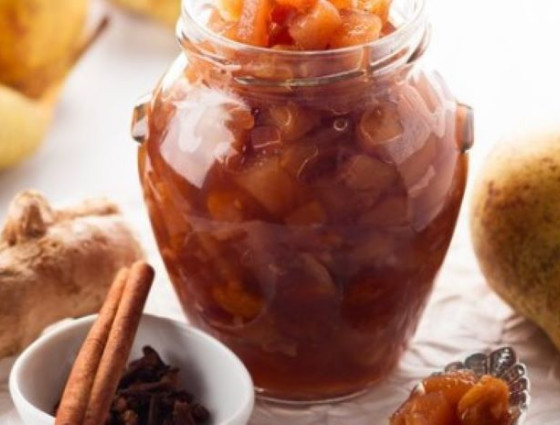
(402, 33)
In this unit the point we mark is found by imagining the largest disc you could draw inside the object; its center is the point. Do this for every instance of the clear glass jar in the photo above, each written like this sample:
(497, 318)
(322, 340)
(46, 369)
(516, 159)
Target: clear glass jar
(303, 202)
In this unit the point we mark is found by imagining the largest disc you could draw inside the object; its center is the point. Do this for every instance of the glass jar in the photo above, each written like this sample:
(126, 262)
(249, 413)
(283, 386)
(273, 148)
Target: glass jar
(303, 202)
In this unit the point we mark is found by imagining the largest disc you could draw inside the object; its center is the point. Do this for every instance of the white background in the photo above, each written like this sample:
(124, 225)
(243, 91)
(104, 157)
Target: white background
(500, 56)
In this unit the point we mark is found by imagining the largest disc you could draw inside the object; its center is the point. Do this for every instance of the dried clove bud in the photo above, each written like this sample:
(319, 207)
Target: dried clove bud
(149, 394)
(199, 413)
(182, 414)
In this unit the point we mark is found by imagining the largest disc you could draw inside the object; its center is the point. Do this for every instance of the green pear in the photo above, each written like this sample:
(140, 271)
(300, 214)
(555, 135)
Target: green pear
(515, 225)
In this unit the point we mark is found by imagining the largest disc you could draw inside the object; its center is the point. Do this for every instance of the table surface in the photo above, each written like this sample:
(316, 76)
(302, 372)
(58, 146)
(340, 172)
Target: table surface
(497, 56)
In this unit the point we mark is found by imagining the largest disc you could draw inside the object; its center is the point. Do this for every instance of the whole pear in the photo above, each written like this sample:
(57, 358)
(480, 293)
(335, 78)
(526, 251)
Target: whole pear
(515, 225)
(38, 42)
(165, 11)
(23, 123)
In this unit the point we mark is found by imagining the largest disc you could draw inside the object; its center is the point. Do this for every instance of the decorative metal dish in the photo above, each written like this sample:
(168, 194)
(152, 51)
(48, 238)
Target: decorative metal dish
(501, 363)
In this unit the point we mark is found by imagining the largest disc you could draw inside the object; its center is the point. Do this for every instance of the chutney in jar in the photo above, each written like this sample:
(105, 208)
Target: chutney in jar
(303, 203)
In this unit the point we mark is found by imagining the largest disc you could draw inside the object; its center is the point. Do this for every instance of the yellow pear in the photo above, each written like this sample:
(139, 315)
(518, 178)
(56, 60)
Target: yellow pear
(23, 123)
(166, 11)
(38, 42)
(515, 225)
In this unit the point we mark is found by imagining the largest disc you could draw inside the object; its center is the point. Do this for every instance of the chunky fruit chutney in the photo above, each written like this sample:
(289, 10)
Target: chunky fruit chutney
(303, 203)
(456, 398)
(302, 24)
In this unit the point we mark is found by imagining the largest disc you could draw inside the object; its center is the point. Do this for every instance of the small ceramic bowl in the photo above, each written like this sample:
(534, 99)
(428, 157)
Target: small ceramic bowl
(208, 369)
(501, 363)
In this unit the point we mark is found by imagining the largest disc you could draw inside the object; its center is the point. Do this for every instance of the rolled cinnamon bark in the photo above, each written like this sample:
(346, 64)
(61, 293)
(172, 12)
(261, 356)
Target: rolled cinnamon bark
(119, 343)
(78, 386)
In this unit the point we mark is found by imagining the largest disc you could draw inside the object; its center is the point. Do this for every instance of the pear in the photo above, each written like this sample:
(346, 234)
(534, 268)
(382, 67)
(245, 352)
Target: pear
(23, 123)
(165, 11)
(38, 41)
(515, 225)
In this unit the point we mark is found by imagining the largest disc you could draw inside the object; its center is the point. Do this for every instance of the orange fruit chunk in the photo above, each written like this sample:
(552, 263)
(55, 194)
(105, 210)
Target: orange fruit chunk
(300, 5)
(379, 126)
(237, 301)
(292, 120)
(456, 398)
(452, 385)
(426, 409)
(225, 206)
(302, 24)
(312, 213)
(314, 29)
(357, 28)
(345, 4)
(377, 7)
(271, 186)
(252, 27)
(230, 10)
(486, 403)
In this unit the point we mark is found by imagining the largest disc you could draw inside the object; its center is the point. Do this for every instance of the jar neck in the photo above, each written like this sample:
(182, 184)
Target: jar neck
(264, 67)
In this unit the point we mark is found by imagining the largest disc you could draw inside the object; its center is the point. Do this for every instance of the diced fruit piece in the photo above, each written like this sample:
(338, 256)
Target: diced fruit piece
(389, 212)
(296, 156)
(240, 115)
(319, 275)
(378, 126)
(239, 121)
(345, 4)
(302, 24)
(372, 252)
(470, 400)
(303, 305)
(280, 14)
(292, 120)
(324, 167)
(364, 173)
(230, 10)
(312, 213)
(427, 409)
(271, 186)
(340, 207)
(357, 28)
(280, 36)
(300, 5)
(377, 7)
(360, 180)
(314, 29)
(453, 385)
(253, 23)
(217, 23)
(486, 403)
(237, 301)
(265, 139)
(225, 206)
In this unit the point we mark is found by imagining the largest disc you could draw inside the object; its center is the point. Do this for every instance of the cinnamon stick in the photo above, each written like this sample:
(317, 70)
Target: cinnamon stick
(78, 386)
(119, 343)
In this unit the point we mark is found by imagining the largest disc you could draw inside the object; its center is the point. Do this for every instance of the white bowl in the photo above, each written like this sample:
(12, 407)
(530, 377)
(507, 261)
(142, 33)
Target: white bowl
(209, 370)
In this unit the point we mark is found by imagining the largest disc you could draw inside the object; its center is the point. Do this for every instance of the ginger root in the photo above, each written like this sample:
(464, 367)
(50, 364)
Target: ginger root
(57, 263)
